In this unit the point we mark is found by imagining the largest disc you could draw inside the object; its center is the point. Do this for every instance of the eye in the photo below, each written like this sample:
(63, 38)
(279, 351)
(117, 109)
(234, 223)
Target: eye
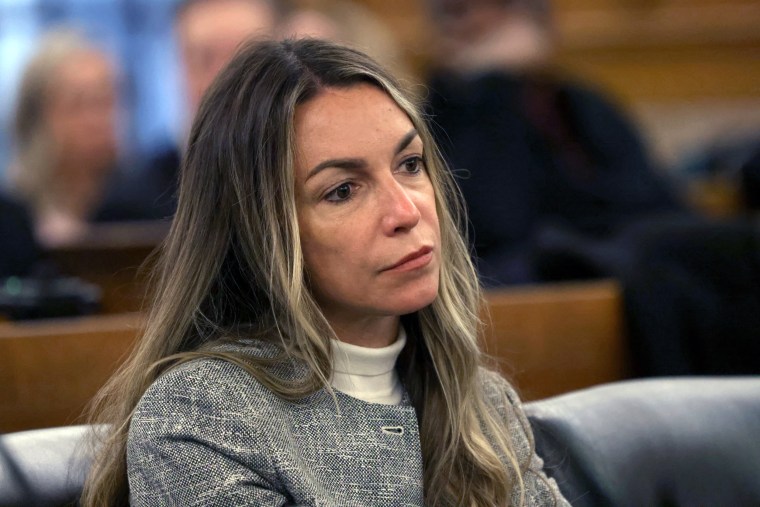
(341, 193)
(413, 165)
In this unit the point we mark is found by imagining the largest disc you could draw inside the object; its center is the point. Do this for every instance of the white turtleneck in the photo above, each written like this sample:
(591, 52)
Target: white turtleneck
(368, 374)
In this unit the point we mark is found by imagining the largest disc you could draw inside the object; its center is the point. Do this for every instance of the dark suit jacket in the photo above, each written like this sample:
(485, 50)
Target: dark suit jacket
(19, 251)
(147, 193)
(536, 154)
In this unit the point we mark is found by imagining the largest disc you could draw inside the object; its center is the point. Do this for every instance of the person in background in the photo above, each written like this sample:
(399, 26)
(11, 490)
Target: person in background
(547, 166)
(481, 36)
(314, 336)
(558, 187)
(345, 22)
(208, 32)
(65, 136)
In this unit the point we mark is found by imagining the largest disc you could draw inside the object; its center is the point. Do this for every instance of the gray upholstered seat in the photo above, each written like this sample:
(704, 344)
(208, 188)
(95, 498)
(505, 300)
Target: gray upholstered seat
(43, 467)
(660, 442)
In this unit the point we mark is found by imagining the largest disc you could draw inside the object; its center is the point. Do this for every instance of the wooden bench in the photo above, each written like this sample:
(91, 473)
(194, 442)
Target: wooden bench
(112, 257)
(49, 370)
(549, 339)
(554, 338)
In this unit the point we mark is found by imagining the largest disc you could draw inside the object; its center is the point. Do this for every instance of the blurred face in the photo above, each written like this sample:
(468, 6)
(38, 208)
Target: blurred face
(366, 207)
(310, 23)
(81, 111)
(466, 20)
(210, 32)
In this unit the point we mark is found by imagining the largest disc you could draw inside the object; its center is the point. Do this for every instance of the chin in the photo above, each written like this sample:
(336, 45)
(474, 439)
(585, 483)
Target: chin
(423, 297)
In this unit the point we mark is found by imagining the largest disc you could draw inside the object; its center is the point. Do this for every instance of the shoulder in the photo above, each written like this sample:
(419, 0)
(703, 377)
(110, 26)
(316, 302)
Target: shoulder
(20, 249)
(585, 94)
(497, 389)
(503, 399)
(205, 418)
(199, 377)
(538, 488)
(207, 401)
(591, 106)
(13, 212)
(203, 387)
(212, 385)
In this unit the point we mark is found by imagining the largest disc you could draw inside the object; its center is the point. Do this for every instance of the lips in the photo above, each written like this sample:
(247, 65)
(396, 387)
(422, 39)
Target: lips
(414, 260)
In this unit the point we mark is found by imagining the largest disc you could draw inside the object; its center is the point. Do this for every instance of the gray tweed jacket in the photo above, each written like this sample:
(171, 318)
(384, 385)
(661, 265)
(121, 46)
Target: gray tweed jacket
(207, 433)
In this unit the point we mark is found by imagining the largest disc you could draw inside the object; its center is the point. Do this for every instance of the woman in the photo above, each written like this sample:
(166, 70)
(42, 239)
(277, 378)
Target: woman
(65, 137)
(313, 335)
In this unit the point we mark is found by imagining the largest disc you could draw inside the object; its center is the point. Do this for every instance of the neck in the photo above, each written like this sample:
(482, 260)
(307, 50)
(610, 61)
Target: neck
(372, 332)
(368, 374)
(77, 195)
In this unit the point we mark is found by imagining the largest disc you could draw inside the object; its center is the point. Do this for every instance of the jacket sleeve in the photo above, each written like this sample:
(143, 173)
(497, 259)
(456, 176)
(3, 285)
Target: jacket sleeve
(196, 439)
(539, 490)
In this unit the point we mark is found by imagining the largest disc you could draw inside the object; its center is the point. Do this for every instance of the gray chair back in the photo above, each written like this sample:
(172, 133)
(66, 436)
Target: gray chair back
(661, 442)
(41, 468)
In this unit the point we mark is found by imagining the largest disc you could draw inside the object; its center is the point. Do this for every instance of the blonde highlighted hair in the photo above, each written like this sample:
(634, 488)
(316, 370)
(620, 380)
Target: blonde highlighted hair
(232, 268)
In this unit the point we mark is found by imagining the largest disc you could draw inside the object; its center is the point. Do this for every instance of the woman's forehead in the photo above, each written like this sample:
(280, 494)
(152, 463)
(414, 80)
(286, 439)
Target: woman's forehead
(357, 118)
(354, 105)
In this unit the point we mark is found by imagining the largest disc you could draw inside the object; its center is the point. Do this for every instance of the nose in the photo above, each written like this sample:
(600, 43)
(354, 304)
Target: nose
(400, 213)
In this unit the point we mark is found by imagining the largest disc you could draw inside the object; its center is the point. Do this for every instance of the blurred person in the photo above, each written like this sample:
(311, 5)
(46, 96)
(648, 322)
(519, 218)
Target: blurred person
(346, 22)
(552, 160)
(65, 135)
(208, 32)
(486, 35)
(559, 186)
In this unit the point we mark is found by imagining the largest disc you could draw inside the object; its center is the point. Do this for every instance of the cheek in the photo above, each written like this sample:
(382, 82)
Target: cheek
(429, 210)
(58, 123)
(320, 252)
(331, 276)
(434, 219)
(334, 261)
(332, 256)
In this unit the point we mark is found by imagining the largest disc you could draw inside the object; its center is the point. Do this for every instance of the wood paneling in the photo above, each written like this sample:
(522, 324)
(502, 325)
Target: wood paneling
(554, 338)
(669, 74)
(657, 23)
(49, 370)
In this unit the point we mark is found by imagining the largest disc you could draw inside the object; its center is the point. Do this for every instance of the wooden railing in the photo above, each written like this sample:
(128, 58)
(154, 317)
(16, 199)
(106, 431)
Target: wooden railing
(548, 339)
(113, 257)
(50, 369)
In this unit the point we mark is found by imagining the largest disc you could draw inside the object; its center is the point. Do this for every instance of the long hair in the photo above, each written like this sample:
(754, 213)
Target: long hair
(232, 267)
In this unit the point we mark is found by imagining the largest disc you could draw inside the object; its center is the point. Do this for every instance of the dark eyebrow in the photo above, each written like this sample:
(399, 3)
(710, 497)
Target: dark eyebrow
(408, 138)
(340, 163)
(356, 163)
